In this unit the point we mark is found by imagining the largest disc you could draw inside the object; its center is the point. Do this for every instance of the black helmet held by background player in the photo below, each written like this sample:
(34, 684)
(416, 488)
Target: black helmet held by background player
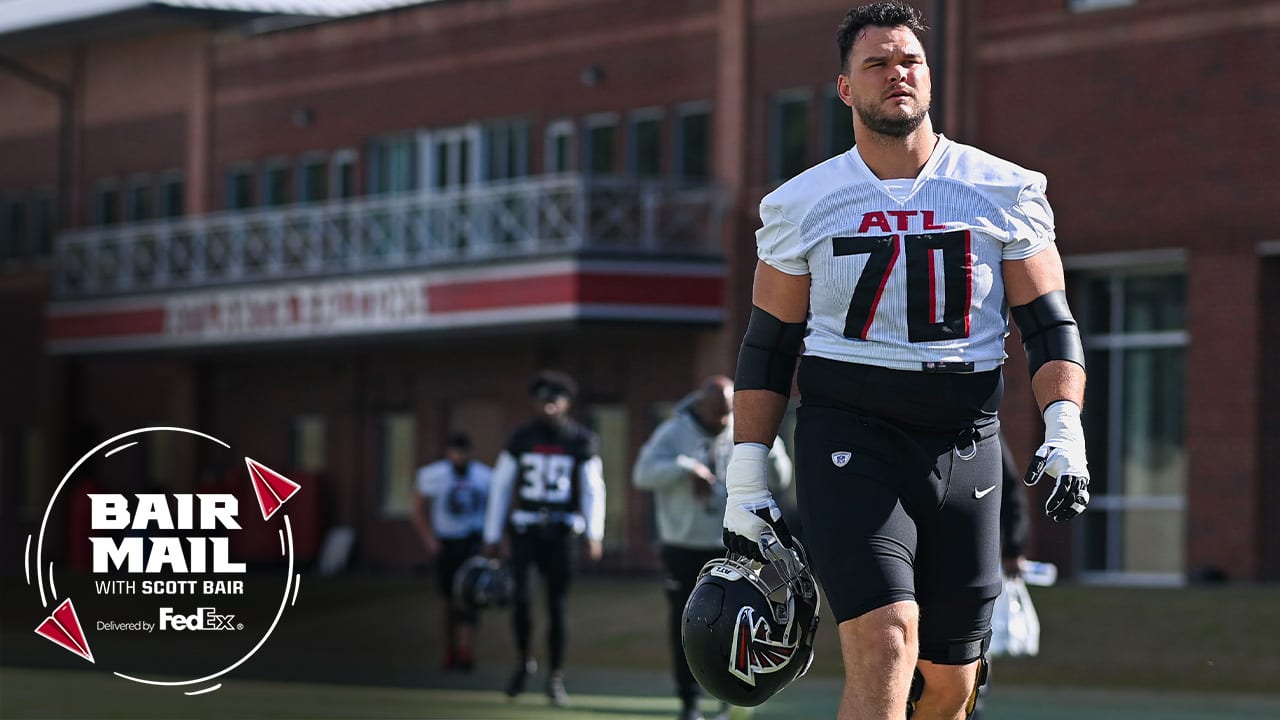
(482, 583)
(748, 629)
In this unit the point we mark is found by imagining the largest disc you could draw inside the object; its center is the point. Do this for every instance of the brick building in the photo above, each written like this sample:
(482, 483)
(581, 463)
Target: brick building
(330, 239)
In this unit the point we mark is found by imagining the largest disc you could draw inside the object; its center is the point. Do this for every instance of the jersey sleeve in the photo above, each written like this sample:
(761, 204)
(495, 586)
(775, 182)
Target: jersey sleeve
(779, 244)
(428, 481)
(1030, 223)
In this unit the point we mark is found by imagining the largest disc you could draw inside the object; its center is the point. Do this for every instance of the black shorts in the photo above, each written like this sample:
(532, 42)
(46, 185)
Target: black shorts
(454, 552)
(895, 512)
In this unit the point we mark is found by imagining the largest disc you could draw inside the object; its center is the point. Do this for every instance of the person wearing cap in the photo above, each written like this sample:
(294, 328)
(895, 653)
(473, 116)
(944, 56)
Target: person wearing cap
(449, 517)
(548, 491)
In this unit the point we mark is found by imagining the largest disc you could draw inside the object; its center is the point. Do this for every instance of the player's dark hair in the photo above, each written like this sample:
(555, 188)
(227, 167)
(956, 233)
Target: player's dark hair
(459, 441)
(551, 383)
(888, 14)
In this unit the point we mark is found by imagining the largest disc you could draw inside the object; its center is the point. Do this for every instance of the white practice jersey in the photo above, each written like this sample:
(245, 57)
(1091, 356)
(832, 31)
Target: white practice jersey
(458, 500)
(906, 274)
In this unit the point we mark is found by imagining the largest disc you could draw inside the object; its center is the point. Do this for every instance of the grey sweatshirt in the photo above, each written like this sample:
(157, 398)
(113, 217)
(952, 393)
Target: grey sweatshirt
(662, 467)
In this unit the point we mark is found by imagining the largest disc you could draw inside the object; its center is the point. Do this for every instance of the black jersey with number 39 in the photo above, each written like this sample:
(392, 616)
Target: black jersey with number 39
(550, 460)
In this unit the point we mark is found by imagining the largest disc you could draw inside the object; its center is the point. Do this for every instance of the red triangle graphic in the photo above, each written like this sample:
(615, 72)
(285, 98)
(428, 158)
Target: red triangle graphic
(63, 628)
(271, 488)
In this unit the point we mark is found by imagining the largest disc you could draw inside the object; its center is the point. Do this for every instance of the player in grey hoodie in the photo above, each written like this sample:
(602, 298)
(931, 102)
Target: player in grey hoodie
(683, 464)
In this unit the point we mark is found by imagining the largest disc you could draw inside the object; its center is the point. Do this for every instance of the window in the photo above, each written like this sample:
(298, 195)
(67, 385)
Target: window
(42, 223)
(693, 143)
(508, 149)
(837, 125)
(1133, 322)
(313, 178)
(277, 184)
(789, 136)
(601, 144)
(451, 156)
(308, 443)
(13, 234)
(138, 205)
(645, 145)
(239, 190)
(393, 164)
(23, 460)
(611, 425)
(559, 149)
(106, 203)
(343, 182)
(397, 459)
(173, 195)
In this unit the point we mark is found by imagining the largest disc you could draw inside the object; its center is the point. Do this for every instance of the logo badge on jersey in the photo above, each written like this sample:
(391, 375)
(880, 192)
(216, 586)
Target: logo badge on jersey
(840, 458)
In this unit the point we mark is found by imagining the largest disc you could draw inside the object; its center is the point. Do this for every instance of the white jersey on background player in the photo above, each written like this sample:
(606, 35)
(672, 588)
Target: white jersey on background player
(458, 499)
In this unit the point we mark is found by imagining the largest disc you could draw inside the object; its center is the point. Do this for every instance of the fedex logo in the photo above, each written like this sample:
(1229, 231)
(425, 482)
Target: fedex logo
(888, 221)
(205, 618)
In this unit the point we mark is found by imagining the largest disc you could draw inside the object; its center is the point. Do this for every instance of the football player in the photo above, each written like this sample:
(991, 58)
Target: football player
(548, 490)
(449, 517)
(891, 268)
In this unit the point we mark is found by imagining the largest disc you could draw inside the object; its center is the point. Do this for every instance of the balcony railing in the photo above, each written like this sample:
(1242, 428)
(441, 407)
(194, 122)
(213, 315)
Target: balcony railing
(524, 218)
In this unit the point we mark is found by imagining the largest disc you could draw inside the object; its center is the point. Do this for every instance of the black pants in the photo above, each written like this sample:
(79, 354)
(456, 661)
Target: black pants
(682, 567)
(550, 549)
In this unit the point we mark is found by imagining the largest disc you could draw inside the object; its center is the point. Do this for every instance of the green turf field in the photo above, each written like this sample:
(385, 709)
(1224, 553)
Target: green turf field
(601, 695)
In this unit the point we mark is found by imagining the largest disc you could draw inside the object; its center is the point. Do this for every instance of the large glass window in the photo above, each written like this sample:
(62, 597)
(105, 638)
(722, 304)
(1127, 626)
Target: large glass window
(277, 183)
(173, 195)
(645, 143)
(308, 443)
(106, 203)
(139, 205)
(397, 459)
(610, 423)
(693, 143)
(601, 144)
(393, 164)
(508, 149)
(42, 223)
(13, 234)
(837, 125)
(1134, 328)
(789, 136)
(239, 188)
(559, 147)
(313, 178)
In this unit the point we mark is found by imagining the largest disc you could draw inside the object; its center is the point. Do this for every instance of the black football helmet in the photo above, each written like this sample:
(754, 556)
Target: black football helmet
(748, 628)
(482, 583)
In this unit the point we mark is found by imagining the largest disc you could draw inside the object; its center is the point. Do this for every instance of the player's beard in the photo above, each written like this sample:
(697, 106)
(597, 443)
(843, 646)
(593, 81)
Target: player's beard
(877, 121)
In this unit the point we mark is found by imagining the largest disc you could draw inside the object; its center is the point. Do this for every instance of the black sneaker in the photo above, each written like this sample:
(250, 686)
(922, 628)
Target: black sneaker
(520, 676)
(555, 689)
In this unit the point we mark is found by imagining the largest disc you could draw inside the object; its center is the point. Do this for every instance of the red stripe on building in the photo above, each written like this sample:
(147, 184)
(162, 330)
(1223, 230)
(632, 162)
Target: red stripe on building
(149, 321)
(651, 290)
(613, 288)
(509, 293)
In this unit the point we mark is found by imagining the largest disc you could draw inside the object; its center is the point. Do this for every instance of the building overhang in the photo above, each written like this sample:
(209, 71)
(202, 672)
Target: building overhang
(422, 302)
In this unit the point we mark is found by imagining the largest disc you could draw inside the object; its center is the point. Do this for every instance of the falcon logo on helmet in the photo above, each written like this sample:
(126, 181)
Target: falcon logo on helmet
(748, 628)
(753, 651)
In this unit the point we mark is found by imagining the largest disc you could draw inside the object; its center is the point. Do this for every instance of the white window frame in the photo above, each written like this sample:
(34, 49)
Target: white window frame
(634, 118)
(682, 111)
(776, 101)
(593, 122)
(556, 129)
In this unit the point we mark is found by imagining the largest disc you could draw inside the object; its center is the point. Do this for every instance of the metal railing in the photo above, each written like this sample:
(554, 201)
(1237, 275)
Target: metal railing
(514, 219)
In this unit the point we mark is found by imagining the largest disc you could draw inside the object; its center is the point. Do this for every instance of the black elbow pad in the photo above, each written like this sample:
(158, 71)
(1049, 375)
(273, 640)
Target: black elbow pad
(1048, 330)
(767, 359)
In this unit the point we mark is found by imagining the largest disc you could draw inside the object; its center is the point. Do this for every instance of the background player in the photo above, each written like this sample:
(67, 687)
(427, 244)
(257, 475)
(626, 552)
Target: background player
(449, 516)
(548, 489)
